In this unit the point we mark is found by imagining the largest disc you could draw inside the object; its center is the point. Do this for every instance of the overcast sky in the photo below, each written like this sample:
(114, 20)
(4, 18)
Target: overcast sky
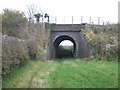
(106, 9)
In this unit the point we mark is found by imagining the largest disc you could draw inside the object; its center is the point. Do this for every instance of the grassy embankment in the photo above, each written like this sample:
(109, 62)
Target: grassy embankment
(64, 73)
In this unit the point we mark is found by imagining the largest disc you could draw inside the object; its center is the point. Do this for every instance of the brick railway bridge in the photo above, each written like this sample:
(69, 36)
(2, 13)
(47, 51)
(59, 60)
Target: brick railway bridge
(72, 32)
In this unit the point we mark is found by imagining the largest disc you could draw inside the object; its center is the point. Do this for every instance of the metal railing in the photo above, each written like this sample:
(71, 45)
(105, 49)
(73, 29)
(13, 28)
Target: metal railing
(79, 20)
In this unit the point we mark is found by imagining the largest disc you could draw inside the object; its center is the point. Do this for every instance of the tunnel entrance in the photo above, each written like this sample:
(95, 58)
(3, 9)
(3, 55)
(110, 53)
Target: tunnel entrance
(65, 47)
(81, 48)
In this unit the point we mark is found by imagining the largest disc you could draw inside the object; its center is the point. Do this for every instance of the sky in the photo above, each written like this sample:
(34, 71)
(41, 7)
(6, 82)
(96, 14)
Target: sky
(119, 12)
(66, 43)
(107, 10)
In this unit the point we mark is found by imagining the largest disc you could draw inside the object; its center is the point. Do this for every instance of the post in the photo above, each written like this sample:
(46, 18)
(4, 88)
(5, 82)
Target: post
(103, 23)
(90, 20)
(81, 19)
(72, 19)
(98, 20)
(48, 19)
(42, 19)
(56, 19)
(64, 19)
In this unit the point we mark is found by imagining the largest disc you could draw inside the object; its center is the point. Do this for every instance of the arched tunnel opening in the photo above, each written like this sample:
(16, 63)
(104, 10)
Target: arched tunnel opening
(65, 47)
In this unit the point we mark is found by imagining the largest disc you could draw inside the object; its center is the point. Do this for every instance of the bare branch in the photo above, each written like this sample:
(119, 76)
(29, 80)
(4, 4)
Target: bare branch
(32, 10)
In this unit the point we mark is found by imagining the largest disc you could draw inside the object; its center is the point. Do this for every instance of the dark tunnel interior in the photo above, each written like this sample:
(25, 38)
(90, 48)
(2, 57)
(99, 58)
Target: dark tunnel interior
(62, 53)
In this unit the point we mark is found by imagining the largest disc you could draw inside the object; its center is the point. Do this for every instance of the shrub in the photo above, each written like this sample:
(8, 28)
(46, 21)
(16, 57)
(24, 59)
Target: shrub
(11, 21)
(14, 52)
(40, 53)
(104, 42)
(12, 18)
(32, 48)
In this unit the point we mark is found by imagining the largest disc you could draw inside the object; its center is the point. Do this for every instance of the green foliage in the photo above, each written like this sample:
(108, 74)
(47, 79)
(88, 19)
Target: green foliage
(21, 74)
(37, 16)
(11, 21)
(66, 47)
(64, 73)
(40, 53)
(69, 47)
(32, 48)
(103, 40)
(14, 53)
(12, 18)
(20, 40)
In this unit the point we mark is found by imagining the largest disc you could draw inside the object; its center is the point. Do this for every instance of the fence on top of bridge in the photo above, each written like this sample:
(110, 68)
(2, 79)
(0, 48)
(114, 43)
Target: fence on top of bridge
(79, 20)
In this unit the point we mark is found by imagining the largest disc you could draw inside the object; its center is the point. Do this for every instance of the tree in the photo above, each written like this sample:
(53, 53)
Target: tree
(37, 16)
(11, 21)
(35, 12)
(32, 10)
(12, 18)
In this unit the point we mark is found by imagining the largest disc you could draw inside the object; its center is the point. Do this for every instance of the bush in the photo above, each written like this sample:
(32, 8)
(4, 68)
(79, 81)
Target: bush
(40, 53)
(11, 21)
(103, 43)
(32, 48)
(12, 18)
(14, 52)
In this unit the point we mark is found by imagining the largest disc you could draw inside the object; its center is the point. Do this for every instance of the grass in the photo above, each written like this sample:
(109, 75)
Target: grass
(67, 47)
(64, 73)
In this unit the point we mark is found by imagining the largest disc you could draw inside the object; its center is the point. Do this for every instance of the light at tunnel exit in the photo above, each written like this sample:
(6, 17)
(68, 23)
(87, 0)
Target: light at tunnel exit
(66, 43)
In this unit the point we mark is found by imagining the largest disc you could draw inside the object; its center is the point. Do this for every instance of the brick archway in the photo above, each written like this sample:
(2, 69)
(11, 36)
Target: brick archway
(81, 48)
(58, 41)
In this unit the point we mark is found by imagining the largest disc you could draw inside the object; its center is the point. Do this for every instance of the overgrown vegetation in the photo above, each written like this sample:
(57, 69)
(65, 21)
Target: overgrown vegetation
(21, 40)
(64, 73)
(103, 40)
(14, 52)
(66, 47)
(11, 21)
